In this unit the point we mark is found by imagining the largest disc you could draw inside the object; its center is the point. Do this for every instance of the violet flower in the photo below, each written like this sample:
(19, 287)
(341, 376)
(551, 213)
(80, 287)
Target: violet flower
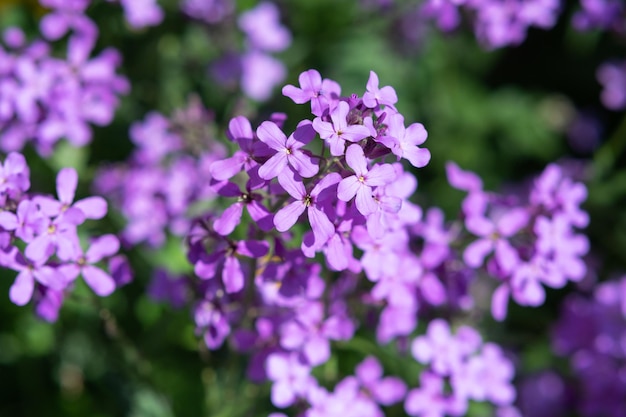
(375, 96)
(288, 150)
(338, 132)
(321, 93)
(67, 181)
(99, 281)
(360, 184)
(311, 201)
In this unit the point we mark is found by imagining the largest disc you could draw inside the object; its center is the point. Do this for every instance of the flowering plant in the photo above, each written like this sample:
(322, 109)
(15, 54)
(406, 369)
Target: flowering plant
(230, 208)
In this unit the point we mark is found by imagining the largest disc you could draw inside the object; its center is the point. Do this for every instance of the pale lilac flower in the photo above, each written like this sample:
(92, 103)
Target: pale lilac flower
(223, 260)
(486, 377)
(288, 150)
(494, 237)
(430, 400)
(58, 235)
(476, 201)
(26, 222)
(212, 323)
(67, 181)
(309, 332)
(600, 14)
(98, 280)
(240, 131)
(312, 201)
(260, 74)
(385, 390)
(30, 272)
(338, 132)
(14, 176)
(290, 378)
(231, 217)
(445, 352)
(612, 76)
(347, 400)
(142, 13)
(375, 96)
(263, 29)
(48, 302)
(210, 11)
(360, 184)
(380, 256)
(321, 93)
(408, 141)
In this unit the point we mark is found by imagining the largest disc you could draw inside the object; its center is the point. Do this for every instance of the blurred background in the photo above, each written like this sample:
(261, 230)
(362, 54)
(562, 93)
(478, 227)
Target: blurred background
(503, 113)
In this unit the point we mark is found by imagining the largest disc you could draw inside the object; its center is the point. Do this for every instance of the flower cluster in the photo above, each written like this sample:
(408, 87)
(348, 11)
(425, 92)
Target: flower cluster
(44, 98)
(159, 185)
(612, 76)
(591, 333)
(473, 371)
(606, 15)
(496, 23)
(531, 241)
(252, 67)
(209, 11)
(39, 239)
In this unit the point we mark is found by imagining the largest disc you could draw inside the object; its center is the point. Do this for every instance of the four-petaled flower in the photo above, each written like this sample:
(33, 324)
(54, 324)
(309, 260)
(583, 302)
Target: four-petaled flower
(361, 183)
(288, 150)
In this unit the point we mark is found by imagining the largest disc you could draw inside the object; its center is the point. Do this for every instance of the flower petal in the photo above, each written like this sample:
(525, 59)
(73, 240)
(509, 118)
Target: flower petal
(273, 166)
(67, 180)
(22, 289)
(229, 219)
(288, 216)
(100, 282)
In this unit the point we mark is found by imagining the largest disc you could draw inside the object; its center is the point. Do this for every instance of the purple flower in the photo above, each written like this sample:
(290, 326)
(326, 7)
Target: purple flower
(600, 14)
(67, 180)
(407, 140)
(224, 258)
(212, 323)
(321, 93)
(14, 175)
(486, 377)
(58, 234)
(153, 138)
(386, 391)
(338, 132)
(291, 378)
(27, 221)
(99, 281)
(142, 13)
(240, 131)
(48, 303)
(430, 399)
(311, 201)
(375, 96)
(360, 184)
(30, 272)
(263, 29)
(260, 74)
(231, 217)
(288, 150)
(444, 352)
(493, 237)
(210, 11)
